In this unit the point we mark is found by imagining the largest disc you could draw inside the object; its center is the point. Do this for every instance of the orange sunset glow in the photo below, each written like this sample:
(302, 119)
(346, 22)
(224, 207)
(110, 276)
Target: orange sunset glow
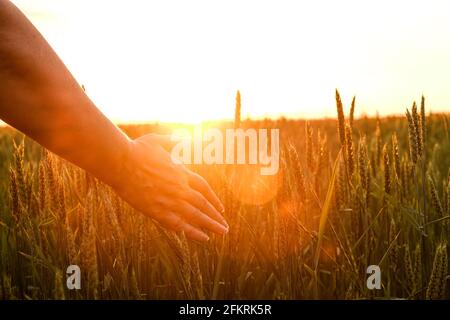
(183, 61)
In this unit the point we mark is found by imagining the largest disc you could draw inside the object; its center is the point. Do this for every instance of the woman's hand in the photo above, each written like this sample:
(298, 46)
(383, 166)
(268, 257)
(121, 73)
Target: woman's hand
(171, 194)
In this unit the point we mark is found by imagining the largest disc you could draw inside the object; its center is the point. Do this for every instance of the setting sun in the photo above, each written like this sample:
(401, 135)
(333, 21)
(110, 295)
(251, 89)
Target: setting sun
(183, 61)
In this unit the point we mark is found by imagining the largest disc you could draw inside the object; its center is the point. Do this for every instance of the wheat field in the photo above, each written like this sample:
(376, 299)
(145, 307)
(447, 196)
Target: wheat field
(351, 192)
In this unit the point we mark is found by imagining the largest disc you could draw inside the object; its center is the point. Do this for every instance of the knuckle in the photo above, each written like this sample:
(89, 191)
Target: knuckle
(197, 214)
(192, 212)
(177, 224)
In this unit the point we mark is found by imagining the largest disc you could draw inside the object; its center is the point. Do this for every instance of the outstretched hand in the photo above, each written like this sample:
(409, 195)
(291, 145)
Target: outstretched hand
(168, 192)
(34, 81)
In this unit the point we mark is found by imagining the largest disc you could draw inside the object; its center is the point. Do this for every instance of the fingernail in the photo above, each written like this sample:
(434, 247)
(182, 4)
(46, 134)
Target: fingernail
(223, 229)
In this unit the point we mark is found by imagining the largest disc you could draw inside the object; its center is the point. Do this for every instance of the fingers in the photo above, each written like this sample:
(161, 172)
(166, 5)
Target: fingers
(195, 181)
(200, 202)
(188, 218)
(200, 184)
(175, 223)
(188, 203)
(200, 219)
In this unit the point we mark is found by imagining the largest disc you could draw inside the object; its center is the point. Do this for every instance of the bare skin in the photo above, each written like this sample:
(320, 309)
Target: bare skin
(40, 97)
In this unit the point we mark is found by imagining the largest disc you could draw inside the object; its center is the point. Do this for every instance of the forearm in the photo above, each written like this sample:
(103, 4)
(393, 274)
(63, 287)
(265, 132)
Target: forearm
(40, 97)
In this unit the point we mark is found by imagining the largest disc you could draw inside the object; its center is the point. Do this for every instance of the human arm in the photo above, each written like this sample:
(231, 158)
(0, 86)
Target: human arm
(40, 97)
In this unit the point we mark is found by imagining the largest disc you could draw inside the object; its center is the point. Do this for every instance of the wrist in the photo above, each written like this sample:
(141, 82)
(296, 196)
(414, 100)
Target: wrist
(120, 172)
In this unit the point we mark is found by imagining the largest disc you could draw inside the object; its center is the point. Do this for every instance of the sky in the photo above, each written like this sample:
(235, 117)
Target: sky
(183, 61)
